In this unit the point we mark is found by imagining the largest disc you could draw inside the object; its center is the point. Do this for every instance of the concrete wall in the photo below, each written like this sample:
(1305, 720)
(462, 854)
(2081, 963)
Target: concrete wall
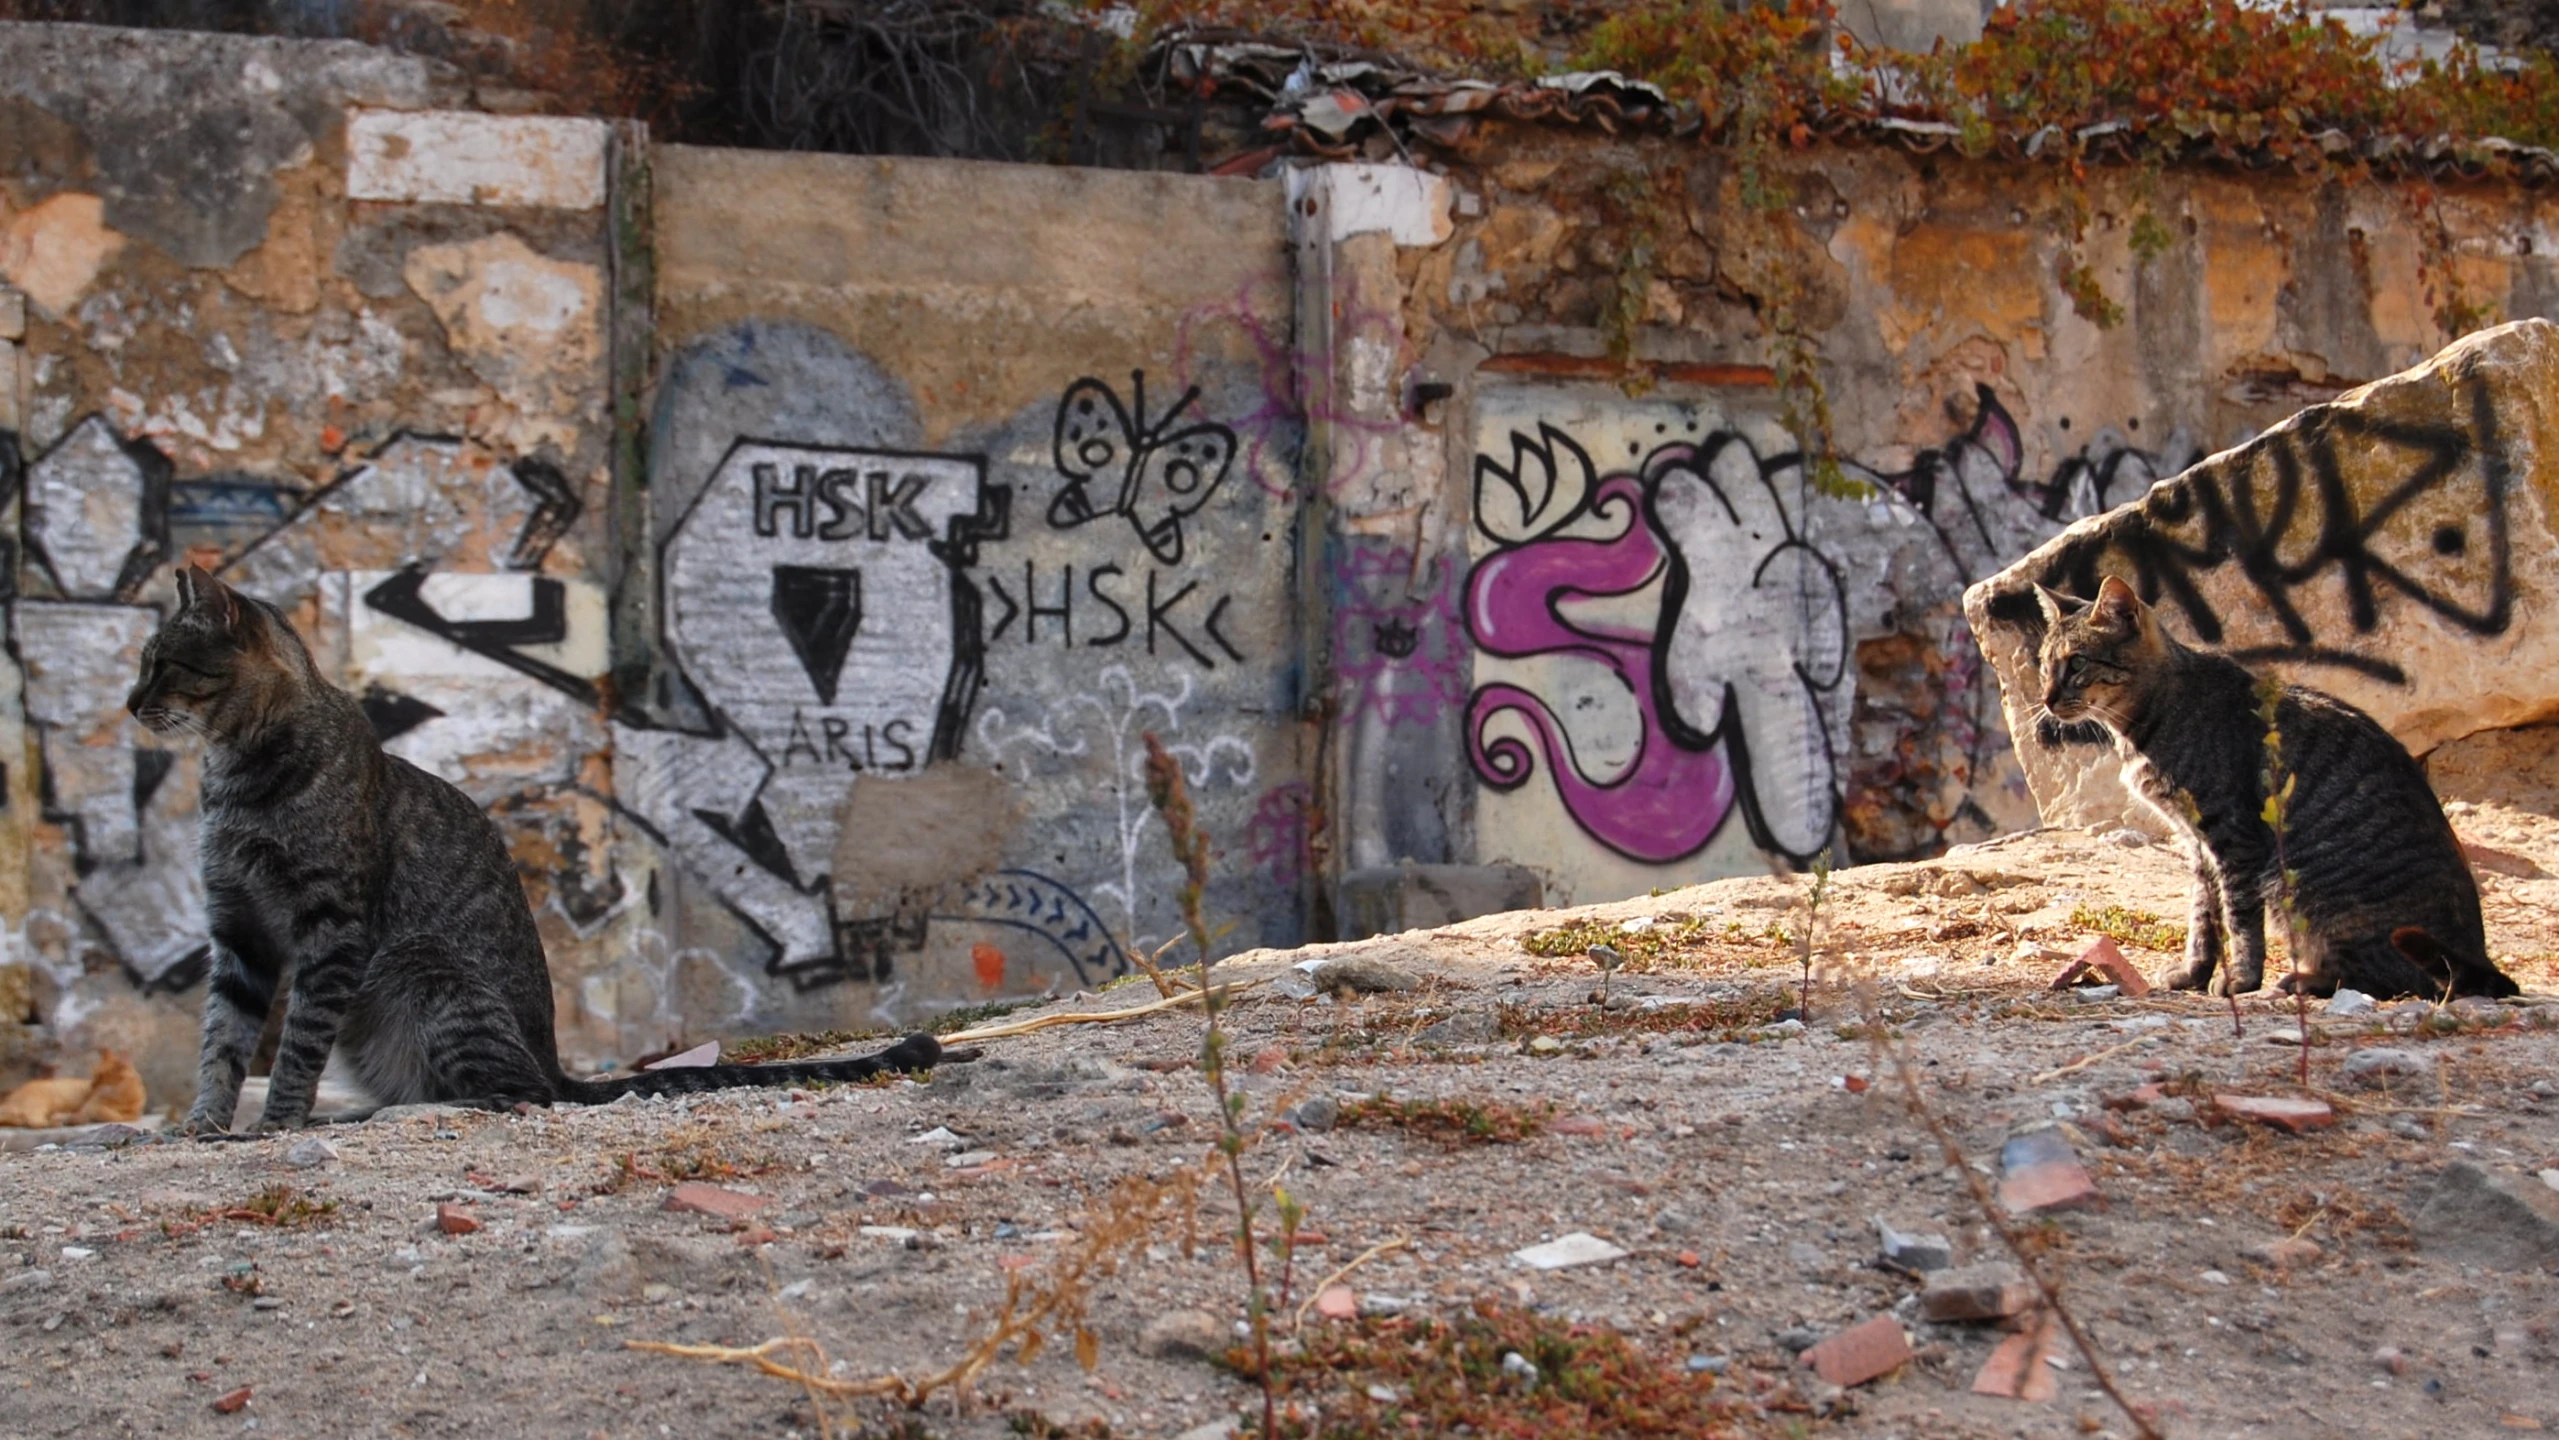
(791, 551)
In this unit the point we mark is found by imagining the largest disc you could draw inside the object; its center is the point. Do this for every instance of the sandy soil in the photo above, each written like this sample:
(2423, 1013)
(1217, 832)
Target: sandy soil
(1740, 1160)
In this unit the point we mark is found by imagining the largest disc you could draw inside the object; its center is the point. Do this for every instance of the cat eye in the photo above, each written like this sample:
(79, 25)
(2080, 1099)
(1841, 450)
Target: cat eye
(2076, 668)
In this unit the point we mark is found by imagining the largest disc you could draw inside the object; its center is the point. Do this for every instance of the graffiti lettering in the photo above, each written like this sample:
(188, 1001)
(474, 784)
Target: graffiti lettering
(1163, 606)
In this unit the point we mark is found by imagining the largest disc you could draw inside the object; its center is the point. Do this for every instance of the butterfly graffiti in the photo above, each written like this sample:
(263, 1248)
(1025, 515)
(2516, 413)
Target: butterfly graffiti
(1117, 462)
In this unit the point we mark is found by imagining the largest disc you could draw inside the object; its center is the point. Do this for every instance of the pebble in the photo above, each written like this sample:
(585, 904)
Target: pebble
(2368, 1066)
(1914, 1252)
(2349, 1002)
(1313, 1116)
(1184, 1335)
(310, 1154)
(78, 1252)
(1545, 1045)
(967, 1158)
(1358, 974)
(1520, 1368)
(1987, 1291)
(26, 1280)
(1578, 1248)
(2285, 1253)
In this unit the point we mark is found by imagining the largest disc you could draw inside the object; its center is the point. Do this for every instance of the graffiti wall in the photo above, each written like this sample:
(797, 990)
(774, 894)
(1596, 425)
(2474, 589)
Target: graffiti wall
(792, 552)
(923, 577)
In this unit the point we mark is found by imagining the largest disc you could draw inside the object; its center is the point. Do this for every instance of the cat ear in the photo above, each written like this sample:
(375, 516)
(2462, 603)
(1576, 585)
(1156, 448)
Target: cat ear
(199, 590)
(2117, 608)
(2056, 605)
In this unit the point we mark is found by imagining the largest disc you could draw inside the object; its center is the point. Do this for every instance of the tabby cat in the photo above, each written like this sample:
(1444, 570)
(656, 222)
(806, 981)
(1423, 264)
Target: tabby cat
(2382, 899)
(382, 890)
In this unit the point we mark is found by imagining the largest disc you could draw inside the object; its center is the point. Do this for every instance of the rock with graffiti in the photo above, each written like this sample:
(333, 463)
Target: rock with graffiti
(2376, 547)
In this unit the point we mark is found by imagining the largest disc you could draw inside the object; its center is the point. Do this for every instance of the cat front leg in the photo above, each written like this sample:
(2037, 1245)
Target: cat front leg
(323, 989)
(237, 996)
(2203, 929)
(2244, 916)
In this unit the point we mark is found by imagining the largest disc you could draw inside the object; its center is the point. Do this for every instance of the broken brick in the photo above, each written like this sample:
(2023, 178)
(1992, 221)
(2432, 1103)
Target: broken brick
(1337, 1302)
(1861, 1352)
(2140, 1097)
(454, 1220)
(2016, 1370)
(2102, 958)
(697, 1198)
(2296, 1116)
(1976, 1292)
(232, 1403)
(1577, 1125)
(2040, 1173)
(2285, 1253)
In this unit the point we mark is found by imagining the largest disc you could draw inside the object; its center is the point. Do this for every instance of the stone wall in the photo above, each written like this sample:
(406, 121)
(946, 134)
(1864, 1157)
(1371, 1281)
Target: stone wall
(791, 551)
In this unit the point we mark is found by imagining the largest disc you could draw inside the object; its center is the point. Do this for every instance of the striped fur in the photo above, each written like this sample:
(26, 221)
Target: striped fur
(381, 891)
(2383, 900)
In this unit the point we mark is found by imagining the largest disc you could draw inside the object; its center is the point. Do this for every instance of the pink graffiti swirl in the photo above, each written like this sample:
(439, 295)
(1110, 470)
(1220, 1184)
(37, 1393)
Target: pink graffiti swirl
(1670, 800)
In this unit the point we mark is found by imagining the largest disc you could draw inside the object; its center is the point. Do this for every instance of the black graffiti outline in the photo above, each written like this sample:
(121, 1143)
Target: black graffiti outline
(1148, 455)
(1158, 612)
(1027, 900)
(403, 598)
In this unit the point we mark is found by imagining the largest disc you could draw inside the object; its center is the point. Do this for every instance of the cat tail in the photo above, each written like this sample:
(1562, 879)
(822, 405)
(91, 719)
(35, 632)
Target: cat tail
(915, 1052)
(2466, 976)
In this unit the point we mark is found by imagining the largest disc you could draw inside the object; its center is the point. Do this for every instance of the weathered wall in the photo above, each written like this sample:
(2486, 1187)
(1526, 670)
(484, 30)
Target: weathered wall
(791, 551)
(962, 479)
(1677, 656)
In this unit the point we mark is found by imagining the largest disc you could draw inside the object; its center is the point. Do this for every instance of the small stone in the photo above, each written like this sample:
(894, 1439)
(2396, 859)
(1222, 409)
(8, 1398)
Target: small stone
(232, 1403)
(2347, 1001)
(1313, 1116)
(1545, 1045)
(2501, 1222)
(1337, 1302)
(967, 1158)
(1914, 1252)
(1519, 1367)
(1861, 1352)
(2392, 1359)
(1577, 1125)
(2296, 1116)
(266, 1302)
(694, 1197)
(78, 1252)
(2128, 838)
(1578, 1248)
(2096, 994)
(33, 1279)
(2140, 1097)
(1988, 1291)
(2285, 1253)
(2409, 1127)
(2213, 1277)
(1467, 1027)
(1184, 1335)
(2040, 1173)
(1797, 1340)
(1359, 974)
(2548, 1177)
(454, 1220)
(1709, 1364)
(310, 1154)
(2286, 1035)
(2378, 1063)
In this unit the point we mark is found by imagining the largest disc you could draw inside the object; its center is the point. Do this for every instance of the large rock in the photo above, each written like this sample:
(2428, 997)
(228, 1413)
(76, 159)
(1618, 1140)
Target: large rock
(2389, 547)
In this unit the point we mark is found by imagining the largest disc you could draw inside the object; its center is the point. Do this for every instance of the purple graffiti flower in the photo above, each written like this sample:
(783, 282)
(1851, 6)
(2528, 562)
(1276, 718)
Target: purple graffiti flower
(1399, 650)
(1279, 837)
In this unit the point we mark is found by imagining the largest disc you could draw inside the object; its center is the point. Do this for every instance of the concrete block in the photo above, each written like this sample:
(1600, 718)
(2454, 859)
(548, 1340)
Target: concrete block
(1390, 899)
(447, 157)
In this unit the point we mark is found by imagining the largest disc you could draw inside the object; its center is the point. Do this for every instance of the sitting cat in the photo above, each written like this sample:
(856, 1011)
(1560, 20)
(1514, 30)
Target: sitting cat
(2383, 900)
(44, 1104)
(385, 890)
(115, 1092)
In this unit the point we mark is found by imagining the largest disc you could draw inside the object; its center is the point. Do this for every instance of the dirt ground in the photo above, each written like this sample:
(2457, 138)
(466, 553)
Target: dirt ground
(1739, 1156)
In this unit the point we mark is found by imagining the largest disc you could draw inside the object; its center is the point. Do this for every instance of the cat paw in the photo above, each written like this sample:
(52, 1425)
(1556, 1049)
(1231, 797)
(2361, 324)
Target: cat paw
(2235, 981)
(2192, 975)
(200, 1127)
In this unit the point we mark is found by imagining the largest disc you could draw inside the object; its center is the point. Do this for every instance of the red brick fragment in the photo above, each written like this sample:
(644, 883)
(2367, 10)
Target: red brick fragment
(2040, 1173)
(2140, 1097)
(454, 1220)
(697, 1198)
(2102, 958)
(2016, 1370)
(1337, 1302)
(232, 1403)
(1577, 1125)
(1861, 1352)
(2296, 1116)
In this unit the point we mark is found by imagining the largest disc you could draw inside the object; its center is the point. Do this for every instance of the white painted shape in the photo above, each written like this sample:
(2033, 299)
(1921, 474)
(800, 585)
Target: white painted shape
(721, 623)
(1410, 205)
(81, 659)
(453, 157)
(663, 776)
(84, 506)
